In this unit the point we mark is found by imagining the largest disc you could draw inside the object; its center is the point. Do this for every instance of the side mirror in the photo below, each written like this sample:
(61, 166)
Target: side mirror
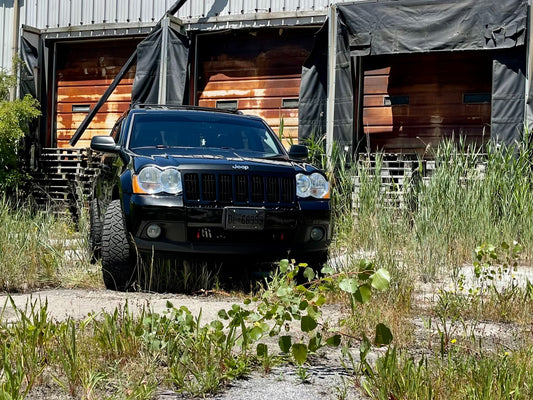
(104, 144)
(298, 152)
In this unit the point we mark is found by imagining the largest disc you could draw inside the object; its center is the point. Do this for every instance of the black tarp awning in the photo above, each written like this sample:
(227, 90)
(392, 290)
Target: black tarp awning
(420, 26)
(148, 72)
(33, 80)
(394, 27)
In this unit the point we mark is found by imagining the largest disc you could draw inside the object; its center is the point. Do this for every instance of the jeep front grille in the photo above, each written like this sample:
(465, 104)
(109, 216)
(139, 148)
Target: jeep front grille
(238, 189)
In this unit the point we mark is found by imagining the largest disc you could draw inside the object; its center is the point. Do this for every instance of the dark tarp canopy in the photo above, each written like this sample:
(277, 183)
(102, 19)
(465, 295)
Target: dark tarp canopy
(147, 75)
(313, 89)
(29, 81)
(420, 26)
(33, 81)
(30, 56)
(508, 97)
(394, 27)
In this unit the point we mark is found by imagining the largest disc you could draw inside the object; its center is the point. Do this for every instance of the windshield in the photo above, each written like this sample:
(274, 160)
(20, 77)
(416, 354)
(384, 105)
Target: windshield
(203, 132)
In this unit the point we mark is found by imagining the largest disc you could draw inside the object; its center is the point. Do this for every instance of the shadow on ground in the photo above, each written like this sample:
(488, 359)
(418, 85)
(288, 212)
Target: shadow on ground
(196, 275)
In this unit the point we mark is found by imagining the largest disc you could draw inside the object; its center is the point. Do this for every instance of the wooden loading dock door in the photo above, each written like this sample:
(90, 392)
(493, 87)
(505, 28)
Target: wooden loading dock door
(415, 100)
(256, 71)
(84, 71)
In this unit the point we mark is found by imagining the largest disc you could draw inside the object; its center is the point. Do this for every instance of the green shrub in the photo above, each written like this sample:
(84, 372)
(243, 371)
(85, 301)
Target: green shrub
(14, 118)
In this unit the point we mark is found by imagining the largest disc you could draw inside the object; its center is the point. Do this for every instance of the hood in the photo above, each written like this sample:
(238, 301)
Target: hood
(220, 160)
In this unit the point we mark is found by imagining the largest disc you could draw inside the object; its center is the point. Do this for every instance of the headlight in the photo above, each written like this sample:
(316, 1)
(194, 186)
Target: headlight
(315, 185)
(319, 186)
(303, 185)
(150, 180)
(171, 181)
(153, 180)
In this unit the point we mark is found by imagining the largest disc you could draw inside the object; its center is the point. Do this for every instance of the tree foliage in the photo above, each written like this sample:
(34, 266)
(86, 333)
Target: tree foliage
(14, 118)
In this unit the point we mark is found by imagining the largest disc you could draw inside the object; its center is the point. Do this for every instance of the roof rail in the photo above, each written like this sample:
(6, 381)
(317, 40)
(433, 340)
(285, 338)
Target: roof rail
(184, 107)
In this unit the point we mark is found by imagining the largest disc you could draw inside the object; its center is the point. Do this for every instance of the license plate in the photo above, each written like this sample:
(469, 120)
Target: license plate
(244, 219)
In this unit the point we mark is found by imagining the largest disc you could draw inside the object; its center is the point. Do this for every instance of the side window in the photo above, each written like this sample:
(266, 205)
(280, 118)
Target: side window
(115, 132)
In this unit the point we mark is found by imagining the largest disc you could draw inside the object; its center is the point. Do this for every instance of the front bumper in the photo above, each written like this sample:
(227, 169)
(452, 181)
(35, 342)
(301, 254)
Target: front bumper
(201, 230)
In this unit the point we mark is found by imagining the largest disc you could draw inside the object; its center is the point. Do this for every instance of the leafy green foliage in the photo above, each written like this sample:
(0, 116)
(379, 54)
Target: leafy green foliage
(284, 302)
(7, 82)
(493, 263)
(14, 118)
(359, 286)
(176, 348)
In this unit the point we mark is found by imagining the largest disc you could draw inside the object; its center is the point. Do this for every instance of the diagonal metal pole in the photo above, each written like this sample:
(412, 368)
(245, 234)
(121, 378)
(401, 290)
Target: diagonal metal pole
(124, 70)
(85, 123)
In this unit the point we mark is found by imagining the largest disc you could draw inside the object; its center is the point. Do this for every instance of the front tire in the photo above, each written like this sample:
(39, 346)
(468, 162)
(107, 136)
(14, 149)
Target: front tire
(117, 257)
(95, 230)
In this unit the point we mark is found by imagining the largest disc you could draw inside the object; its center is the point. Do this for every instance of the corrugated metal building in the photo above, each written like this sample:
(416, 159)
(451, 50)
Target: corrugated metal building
(252, 54)
(135, 14)
(87, 42)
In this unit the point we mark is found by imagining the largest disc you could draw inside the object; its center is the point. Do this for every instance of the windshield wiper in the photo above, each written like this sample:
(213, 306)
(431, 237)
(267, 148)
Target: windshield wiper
(280, 157)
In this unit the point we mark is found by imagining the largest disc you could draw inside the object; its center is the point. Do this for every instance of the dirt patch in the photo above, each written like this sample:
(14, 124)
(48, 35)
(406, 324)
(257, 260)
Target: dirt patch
(326, 377)
(79, 303)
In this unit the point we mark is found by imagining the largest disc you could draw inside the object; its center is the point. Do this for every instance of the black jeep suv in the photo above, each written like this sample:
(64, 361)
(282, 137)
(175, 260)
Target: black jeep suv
(192, 180)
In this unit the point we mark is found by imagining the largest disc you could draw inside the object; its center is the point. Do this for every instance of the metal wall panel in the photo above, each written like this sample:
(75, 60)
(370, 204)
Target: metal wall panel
(123, 11)
(147, 12)
(99, 10)
(63, 13)
(6, 43)
(64, 17)
(160, 6)
(278, 5)
(263, 5)
(53, 14)
(248, 7)
(234, 7)
(196, 8)
(27, 12)
(86, 11)
(77, 16)
(109, 11)
(307, 4)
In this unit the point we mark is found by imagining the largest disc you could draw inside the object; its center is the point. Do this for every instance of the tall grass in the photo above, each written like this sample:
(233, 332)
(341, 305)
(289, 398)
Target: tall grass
(116, 355)
(475, 198)
(458, 375)
(471, 198)
(431, 225)
(38, 248)
(26, 253)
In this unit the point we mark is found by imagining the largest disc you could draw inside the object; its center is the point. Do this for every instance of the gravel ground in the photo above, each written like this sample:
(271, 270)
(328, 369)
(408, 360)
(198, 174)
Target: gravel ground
(78, 303)
(327, 378)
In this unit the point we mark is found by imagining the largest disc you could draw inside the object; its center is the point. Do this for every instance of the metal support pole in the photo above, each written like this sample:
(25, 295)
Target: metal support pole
(15, 47)
(357, 78)
(529, 73)
(163, 67)
(332, 63)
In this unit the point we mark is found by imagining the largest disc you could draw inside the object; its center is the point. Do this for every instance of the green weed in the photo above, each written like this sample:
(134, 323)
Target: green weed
(40, 249)
(460, 375)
